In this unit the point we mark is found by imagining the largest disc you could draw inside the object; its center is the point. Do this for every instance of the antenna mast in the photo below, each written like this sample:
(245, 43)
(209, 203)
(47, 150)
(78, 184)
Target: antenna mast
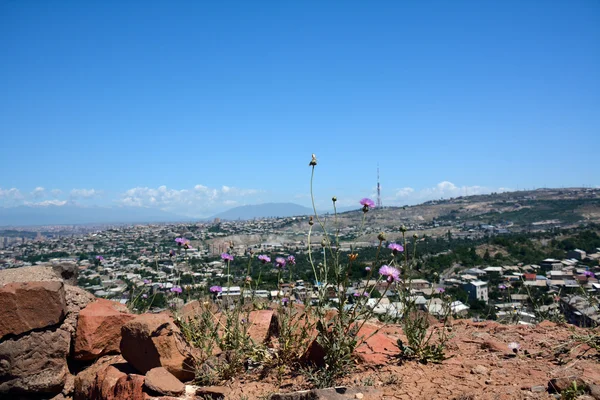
(378, 189)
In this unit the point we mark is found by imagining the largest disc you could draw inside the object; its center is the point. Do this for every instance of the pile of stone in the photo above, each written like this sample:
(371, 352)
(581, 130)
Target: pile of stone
(57, 341)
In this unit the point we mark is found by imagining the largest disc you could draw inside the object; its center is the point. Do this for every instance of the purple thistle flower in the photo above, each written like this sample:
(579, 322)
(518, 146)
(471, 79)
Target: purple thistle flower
(171, 253)
(227, 257)
(216, 289)
(392, 274)
(176, 289)
(366, 294)
(589, 274)
(368, 269)
(285, 300)
(264, 258)
(367, 204)
(356, 294)
(280, 262)
(501, 287)
(99, 258)
(440, 290)
(144, 296)
(291, 260)
(180, 241)
(396, 248)
(146, 281)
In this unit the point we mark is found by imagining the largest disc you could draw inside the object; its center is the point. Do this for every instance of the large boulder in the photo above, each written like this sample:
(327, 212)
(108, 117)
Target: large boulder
(26, 306)
(153, 340)
(34, 363)
(99, 329)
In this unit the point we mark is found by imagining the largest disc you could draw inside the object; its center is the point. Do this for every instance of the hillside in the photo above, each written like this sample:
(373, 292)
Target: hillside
(267, 210)
(88, 348)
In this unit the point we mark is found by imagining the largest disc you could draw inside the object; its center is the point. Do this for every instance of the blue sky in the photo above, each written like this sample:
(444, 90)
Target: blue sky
(194, 107)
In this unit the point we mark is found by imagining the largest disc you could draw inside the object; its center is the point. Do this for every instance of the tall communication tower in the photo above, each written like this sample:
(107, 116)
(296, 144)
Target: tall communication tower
(378, 189)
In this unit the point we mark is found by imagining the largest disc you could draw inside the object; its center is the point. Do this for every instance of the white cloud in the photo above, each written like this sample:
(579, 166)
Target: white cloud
(56, 192)
(38, 192)
(198, 201)
(46, 203)
(11, 194)
(84, 193)
(444, 189)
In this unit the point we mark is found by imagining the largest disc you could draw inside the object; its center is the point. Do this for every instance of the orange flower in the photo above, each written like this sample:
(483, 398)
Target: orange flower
(352, 256)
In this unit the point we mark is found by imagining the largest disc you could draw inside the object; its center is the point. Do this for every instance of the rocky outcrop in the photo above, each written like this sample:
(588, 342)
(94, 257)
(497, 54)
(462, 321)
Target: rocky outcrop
(31, 305)
(34, 362)
(99, 329)
(153, 340)
(67, 271)
(161, 381)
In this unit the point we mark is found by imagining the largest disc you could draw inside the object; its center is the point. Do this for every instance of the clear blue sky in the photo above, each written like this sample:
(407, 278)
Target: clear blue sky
(105, 102)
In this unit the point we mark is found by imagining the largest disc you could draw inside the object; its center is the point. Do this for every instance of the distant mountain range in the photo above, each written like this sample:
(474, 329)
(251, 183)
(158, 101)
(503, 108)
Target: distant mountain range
(265, 211)
(75, 215)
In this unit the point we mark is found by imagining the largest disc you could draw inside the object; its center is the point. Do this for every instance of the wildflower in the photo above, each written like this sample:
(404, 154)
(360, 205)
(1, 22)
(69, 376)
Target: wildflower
(501, 287)
(146, 281)
(440, 290)
(313, 161)
(280, 262)
(216, 289)
(366, 294)
(396, 248)
(392, 274)
(180, 241)
(291, 260)
(264, 258)
(171, 253)
(356, 294)
(589, 274)
(285, 300)
(514, 346)
(99, 258)
(176, 289)
(144, 296)
(368, 269)
(367, 204)
(243, 321)
(227, 257)
(381, 236)
(352, 256)
(403, 229)
(248, 279)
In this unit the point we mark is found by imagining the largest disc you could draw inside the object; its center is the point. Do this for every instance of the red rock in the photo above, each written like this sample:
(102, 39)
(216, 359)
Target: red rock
(31, 305)
(259, 324)
(494, 345)
(106, 380)
(99, 329)
(378, 347)
(34, 363)
(130, 387)
(86, 381)
(163, 382)
(213, 392)
(153, 340)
